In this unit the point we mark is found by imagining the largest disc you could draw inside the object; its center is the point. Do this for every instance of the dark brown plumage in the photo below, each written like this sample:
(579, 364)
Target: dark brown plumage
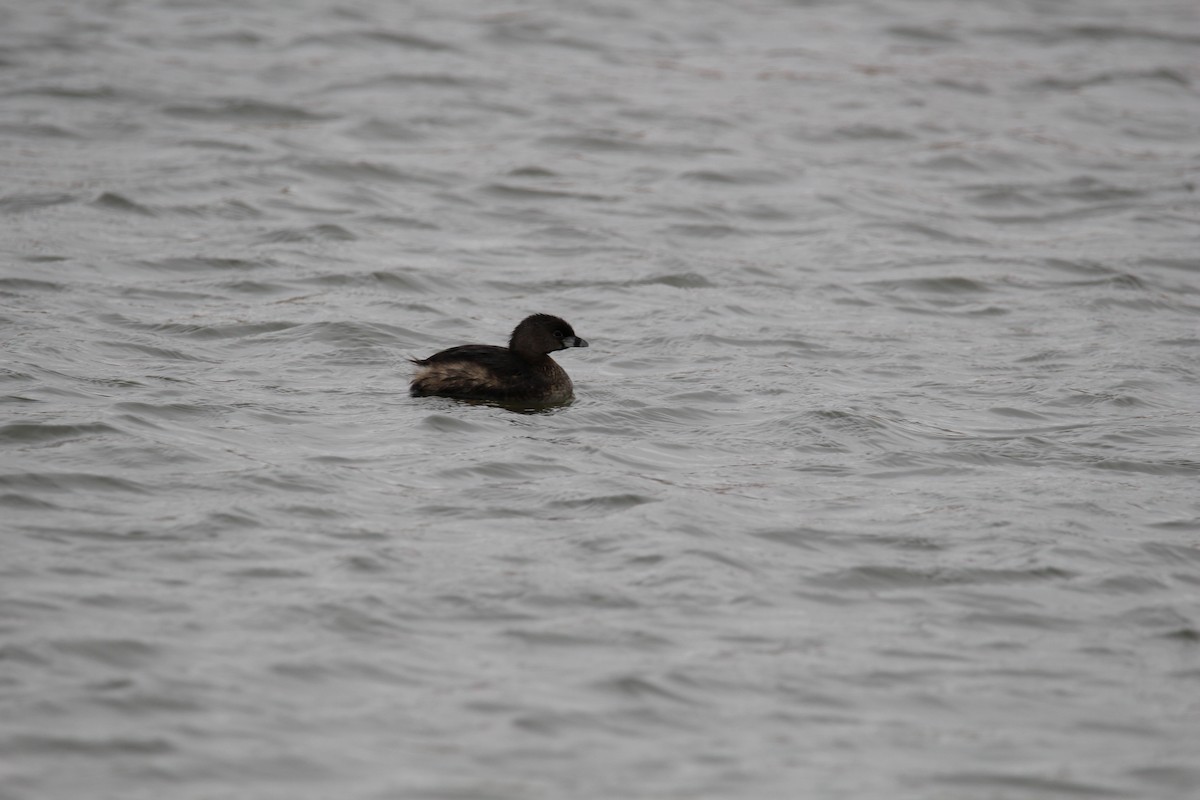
(523, 372)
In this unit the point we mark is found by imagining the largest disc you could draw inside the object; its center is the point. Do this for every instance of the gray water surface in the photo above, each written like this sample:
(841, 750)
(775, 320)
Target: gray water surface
(881, 479)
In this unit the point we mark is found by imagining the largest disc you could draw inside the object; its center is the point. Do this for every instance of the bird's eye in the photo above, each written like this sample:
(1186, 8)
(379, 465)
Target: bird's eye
(558, 334)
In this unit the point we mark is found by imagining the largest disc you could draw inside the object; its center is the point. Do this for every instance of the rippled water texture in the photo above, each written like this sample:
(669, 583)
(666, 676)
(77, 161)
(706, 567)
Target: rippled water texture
(881, 480)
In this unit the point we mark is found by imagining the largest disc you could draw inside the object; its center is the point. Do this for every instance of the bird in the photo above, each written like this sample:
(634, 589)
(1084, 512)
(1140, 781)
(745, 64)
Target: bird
(523, 372)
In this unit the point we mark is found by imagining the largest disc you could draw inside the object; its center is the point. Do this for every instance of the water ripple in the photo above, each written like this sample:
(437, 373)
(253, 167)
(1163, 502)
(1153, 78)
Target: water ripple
(887, 430)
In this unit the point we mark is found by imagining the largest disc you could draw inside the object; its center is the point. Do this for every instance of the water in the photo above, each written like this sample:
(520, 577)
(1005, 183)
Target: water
(880, 480)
